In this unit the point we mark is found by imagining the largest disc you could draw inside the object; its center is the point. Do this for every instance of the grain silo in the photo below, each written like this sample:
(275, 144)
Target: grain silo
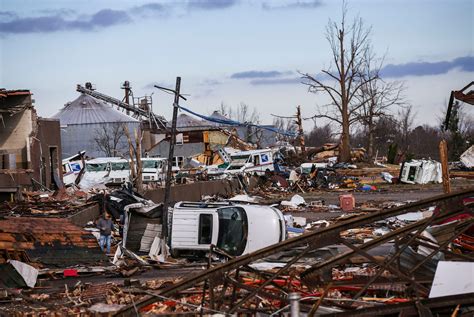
(95, 126)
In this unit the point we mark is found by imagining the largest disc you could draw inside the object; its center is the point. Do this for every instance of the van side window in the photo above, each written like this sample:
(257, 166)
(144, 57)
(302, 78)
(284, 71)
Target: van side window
(205, 229)
(256, 160)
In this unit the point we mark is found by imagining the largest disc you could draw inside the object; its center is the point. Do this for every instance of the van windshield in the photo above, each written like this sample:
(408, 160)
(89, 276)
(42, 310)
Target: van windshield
(233, 229)
(241, 159)
(151, 164)
(96, 167)
(238, 161)
(120, 166)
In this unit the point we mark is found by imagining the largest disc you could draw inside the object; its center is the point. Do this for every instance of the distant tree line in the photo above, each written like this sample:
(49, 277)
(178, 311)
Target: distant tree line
(399, 135)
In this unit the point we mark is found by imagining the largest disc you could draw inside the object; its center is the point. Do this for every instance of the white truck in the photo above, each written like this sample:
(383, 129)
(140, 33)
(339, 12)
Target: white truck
(115, 170)
(255, 161)
(234, 228)
(153, 169)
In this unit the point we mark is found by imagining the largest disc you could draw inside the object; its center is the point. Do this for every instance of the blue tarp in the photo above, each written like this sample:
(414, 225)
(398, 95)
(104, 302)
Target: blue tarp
(230, 122)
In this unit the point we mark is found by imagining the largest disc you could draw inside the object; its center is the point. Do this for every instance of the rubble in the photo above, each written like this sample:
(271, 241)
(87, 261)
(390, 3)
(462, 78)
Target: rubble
(356, 238)
(355, 281)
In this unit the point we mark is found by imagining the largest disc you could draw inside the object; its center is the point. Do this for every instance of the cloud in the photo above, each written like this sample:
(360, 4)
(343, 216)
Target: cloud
(293, 5)
(465, 63)
(258, 74)
(211, 4)
(150, 9)
(210, 82)
(109, 17)
(62, 12)
(8, 15)
(277, 81)
(54, 23)
(55, 20)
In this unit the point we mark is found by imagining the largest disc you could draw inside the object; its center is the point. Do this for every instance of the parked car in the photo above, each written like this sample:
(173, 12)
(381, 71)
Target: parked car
(234, 228)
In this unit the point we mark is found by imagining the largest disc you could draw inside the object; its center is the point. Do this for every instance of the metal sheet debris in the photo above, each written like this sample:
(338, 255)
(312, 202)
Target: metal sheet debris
(453, 278)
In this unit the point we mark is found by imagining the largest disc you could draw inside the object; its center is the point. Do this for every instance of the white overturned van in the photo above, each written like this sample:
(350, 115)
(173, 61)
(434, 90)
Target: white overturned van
(234, 228)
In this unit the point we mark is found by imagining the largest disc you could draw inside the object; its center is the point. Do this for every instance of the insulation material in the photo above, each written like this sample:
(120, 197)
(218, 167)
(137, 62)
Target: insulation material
(467, 158)
(152, 231)
(295, 202)
(23, 274)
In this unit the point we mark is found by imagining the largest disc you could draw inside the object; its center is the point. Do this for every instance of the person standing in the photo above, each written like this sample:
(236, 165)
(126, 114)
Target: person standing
(105, 226)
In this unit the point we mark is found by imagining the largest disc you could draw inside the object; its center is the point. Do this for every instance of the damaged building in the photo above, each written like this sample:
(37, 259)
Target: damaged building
(30, 146)
(198, 139)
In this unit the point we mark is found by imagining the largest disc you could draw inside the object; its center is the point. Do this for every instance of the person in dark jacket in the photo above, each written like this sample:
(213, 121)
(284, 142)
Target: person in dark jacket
(105, 225)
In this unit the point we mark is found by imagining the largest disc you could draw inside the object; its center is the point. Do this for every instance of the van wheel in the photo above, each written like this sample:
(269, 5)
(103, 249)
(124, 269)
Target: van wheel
(175, 253)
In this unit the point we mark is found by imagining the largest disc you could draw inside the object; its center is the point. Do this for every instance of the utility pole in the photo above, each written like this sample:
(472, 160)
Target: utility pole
(127, 88)
(166, 200)
(300, 129)
(443, 154)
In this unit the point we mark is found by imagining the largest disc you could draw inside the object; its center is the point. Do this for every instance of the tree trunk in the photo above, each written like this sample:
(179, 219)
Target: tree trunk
(344, 149)
(370, 145)
(370, 140)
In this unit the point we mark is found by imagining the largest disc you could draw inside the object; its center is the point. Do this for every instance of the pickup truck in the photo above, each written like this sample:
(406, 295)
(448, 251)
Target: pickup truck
(234, 228)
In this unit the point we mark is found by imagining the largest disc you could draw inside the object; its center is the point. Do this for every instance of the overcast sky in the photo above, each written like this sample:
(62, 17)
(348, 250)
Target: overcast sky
(227, 51)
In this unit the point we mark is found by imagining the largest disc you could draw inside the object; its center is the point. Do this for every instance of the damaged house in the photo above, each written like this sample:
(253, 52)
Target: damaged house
(195, 138)
(30, 146)
(201, 141)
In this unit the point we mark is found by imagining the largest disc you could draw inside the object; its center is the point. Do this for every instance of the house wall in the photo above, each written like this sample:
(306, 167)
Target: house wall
(14, 132)
(30, 147)
(46, 152)
(185, 149)
(217, 139)
(194, 143)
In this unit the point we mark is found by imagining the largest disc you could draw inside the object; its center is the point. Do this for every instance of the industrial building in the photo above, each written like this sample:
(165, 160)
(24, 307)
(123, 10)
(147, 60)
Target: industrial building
(91, 124)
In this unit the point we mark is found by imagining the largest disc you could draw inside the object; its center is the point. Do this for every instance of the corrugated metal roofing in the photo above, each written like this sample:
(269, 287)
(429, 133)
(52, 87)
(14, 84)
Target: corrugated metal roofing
(87, 109)
(49, 241)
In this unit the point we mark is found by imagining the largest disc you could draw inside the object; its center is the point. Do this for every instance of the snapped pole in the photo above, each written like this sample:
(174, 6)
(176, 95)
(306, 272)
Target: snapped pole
(166, 200)
(443, 155)
(299, 122)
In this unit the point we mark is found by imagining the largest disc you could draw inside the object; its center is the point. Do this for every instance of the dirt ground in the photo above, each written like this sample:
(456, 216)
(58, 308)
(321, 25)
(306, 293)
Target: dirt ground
(384, 193)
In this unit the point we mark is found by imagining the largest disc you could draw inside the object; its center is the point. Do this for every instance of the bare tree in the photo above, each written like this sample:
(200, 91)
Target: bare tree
(244, 114)
(458, 131)
(135, 152)
(285, 124)
(376, 97)
(109, 139)
(423, 142)
(406, 117)
(320, 136)
(349, 45)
